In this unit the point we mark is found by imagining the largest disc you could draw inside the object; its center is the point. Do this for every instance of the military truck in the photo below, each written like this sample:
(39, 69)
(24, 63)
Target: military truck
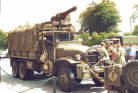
(50, 48)
(122, 79)
(126, 41)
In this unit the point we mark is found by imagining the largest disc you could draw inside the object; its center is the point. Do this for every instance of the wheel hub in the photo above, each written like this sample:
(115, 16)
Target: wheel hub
(64, 78)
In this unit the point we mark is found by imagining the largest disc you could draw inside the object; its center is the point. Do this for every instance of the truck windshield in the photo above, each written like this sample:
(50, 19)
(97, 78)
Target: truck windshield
(64, 37)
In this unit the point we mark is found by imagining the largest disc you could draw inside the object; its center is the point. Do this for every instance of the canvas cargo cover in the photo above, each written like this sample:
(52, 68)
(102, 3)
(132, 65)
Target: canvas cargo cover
(23, 43)
(61, 26)
(26, 42)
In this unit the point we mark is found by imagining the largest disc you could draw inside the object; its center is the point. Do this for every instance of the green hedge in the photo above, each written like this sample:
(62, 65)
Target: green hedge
(95, 38)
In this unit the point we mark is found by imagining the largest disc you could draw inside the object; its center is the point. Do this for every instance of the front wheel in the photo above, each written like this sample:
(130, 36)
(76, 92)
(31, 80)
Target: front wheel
(66, 79)
(24, 73)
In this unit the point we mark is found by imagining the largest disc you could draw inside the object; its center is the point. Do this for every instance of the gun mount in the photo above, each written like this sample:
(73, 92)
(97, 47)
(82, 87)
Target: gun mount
(63, 15)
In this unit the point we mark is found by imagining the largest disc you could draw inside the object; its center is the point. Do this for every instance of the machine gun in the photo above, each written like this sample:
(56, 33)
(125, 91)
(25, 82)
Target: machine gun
(63, 15)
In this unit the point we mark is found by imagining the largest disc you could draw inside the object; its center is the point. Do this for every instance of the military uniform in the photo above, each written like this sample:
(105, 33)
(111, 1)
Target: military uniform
(120, 59)
(110, 51)
(104, 55)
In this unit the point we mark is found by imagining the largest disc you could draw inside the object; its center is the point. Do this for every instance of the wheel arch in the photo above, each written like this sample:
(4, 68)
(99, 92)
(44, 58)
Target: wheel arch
(70, 63)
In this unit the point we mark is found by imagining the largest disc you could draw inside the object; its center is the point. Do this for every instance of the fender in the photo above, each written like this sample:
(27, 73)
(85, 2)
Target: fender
(63, 62)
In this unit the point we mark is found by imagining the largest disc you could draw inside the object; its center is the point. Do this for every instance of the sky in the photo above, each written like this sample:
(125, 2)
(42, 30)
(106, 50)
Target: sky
(20, 12)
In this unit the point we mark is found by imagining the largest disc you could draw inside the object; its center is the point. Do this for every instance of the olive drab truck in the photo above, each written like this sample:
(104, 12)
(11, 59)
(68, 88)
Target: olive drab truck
(50, 48)
(126, 41)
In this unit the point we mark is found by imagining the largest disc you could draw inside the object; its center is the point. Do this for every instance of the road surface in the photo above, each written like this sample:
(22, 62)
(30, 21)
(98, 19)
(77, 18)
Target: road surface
(37, 85)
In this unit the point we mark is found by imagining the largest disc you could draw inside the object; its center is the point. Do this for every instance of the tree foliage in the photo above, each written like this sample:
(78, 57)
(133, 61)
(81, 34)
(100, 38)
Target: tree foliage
(3, 39)
(127, 34)
(135, 30)
(134, 15)
(102, 17)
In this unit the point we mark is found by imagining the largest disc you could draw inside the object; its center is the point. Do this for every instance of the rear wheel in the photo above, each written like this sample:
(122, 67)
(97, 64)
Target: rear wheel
(24, 73)
(30, 74)
(66, 79)
(15, 69)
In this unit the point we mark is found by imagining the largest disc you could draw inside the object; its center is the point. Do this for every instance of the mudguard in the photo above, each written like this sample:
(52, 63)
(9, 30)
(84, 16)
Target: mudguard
(64, 62)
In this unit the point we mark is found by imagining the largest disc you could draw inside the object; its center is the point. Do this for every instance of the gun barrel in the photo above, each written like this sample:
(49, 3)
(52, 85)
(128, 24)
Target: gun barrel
(62, 16)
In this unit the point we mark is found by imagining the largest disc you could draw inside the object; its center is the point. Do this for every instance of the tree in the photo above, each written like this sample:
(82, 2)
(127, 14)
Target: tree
(135, 30)
(102, 17)
(3, 39)
(134, 16)
(135, 13)
(84, 37)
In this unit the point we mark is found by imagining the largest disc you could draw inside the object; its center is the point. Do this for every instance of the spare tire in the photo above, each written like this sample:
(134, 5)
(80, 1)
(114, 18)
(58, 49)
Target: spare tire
(130, 75)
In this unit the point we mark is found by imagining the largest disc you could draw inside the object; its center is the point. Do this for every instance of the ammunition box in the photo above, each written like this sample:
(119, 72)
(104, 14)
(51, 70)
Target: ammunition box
(83, 71)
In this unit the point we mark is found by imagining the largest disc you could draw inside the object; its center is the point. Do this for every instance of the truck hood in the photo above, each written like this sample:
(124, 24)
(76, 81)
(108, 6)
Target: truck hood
(70, 49)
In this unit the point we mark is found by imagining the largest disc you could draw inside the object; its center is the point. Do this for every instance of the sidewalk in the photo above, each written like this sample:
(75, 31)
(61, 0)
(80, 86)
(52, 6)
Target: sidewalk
(6, 90)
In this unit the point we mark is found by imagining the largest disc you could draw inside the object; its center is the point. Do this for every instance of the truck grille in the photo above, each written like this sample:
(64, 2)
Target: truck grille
(93, 57)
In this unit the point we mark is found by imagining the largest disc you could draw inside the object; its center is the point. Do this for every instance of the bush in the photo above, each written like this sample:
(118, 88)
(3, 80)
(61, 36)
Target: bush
(135, 30)
(3, 40)
(95, 38)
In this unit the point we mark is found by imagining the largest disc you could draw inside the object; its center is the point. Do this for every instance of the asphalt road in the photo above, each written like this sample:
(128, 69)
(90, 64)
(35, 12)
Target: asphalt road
(12, 85)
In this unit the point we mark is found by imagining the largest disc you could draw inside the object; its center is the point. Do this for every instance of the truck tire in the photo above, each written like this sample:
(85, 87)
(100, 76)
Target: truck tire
(24, 73)
(130, 75)
(66, 79)
(15, 69)
(30, 74)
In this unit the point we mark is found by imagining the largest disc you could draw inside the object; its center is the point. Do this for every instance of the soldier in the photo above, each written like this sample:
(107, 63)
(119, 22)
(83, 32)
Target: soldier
(114, 46)
(110, 49)
(120, 59)
(103, 53)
